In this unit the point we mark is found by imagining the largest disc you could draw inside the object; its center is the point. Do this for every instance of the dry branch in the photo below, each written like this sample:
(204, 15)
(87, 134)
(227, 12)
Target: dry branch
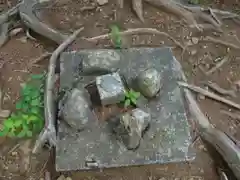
(220, 90)
(231, 115)
(210, 95)
(217, 66)
(49, 131)
(218, 41)
(137, 31)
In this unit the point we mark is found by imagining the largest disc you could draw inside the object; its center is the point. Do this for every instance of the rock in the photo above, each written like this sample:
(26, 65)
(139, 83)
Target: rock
(68, 178)
(77, 110)
(195, 40)
(130, 127)
(111, 88)
(102, 2)
(149, 82)
(61, 177)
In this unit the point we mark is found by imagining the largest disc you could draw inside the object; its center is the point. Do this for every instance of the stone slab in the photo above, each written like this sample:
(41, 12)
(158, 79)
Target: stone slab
(168, 138)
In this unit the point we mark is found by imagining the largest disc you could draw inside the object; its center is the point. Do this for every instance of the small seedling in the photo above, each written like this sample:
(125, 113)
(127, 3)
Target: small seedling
(116, 37)
(131, 97)
(28, 120)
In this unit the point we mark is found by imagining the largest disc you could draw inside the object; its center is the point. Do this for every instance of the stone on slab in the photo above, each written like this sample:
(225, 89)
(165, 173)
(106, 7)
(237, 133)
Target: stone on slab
(130, 127)
(167, 139)
(76, 110)
(149, 82)
(111, 88)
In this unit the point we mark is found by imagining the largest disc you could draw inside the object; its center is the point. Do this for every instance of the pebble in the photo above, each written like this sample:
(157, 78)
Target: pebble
(61, 177)
(102, 2)
(194, 40)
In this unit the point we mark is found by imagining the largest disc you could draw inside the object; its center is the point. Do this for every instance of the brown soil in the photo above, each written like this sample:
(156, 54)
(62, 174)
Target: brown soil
(67, 16)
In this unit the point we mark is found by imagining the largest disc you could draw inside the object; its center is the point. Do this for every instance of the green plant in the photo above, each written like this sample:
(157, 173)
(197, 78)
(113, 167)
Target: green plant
(194, 2)
(116, 36)
(131, 98)
(28, 119)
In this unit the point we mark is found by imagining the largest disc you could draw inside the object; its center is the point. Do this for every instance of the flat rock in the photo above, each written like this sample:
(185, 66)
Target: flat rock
(168, 136)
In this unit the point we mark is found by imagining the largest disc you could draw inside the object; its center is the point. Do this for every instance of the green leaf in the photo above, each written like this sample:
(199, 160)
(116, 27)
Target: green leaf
(115, 36)
(36, 102)
(9, 123)
(37, 76)
(134, 101)
(17, 123)
(29, 133)
(21, 134)
(136, 95)
(4, 132)
(35, 110)
(127, 103)
(127, 94)
(19, 105)
(33, 118)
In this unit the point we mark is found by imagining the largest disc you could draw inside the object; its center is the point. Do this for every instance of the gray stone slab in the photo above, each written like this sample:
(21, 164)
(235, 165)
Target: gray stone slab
(168, 137)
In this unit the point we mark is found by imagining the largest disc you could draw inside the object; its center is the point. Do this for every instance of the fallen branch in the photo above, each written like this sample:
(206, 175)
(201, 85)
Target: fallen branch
(49, 131)
(220, 142)
(219, 90)
(218, 41)
(210, 95)
(40, 58)
(231, 114)
(217, 66)
(137, 31)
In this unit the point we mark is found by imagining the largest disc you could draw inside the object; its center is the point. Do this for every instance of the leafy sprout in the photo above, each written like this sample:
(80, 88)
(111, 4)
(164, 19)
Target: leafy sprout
(131, 98)
(28, 120)
(116, 36)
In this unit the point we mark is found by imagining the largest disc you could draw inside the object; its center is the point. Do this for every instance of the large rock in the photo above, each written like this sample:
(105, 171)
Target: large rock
(129, 127)
(111, 88)
(149, 82)
(77, 110)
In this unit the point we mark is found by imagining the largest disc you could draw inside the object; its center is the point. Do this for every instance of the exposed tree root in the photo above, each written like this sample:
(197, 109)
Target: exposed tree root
(189, 14)
(220, 142)
(24, 11)
(48, 134)
(137, 31)
(218, 41)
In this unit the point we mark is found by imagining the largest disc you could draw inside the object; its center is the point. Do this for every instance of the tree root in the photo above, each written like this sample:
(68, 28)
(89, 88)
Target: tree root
(25, 12)
(137, 31)
(49, 131)
(218, 41)
(189, 14)
(231, 115)
(220, 142)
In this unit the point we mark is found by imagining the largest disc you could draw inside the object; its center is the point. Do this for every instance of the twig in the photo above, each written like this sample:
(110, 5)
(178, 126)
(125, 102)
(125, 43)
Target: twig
(218, 89)
(231, 114)
(49, 131)
(217, 66)
(210, 95)
(40, 58)
(218, 41)
(137, 31)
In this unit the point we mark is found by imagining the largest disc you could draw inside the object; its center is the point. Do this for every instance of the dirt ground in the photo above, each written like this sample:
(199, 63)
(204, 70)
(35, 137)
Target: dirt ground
(15, 159)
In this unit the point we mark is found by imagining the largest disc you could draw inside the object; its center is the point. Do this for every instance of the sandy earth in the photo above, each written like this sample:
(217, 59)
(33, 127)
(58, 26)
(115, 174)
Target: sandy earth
(15, 160)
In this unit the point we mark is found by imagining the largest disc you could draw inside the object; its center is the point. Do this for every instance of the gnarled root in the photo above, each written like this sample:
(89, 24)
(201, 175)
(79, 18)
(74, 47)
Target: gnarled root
(189, 14)
(220, 142)
(48, 134)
